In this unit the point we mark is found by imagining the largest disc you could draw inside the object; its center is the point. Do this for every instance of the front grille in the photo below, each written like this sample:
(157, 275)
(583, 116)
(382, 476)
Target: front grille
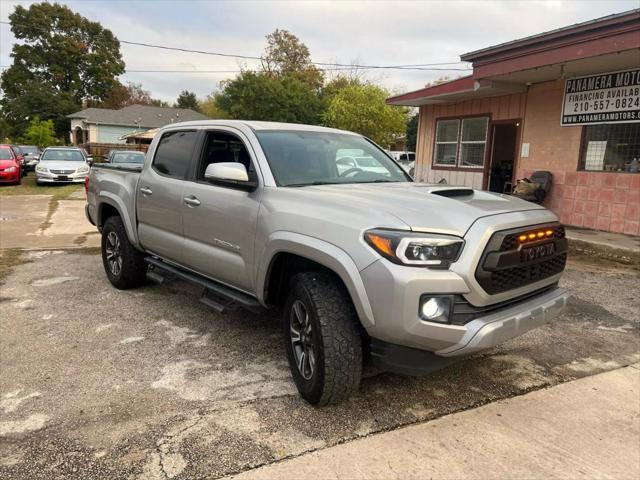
(464, 312)
(62, 172)
(512, 272)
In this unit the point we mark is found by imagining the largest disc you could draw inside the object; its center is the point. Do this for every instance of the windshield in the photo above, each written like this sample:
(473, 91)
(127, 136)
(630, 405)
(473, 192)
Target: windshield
(128, 157)
(5, 154)
(316, 158)
(29, 150)
(62, 155)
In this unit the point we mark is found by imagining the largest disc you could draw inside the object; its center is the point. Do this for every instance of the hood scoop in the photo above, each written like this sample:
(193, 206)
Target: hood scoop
(453, 192)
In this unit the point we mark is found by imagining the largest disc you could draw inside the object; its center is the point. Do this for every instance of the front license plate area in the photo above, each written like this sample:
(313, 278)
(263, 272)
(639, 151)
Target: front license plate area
(537, 252)
(62, 178)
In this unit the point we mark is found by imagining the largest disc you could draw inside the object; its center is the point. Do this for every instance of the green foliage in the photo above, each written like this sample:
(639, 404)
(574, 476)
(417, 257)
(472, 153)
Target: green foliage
(61, 59)
(361, 108)
(209, 107)
(187, 99)
(260, 96)
(412, 132)
(40, 133)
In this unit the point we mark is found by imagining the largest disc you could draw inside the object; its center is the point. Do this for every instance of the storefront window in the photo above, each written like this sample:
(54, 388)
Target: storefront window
(611, 148)
(461, 142)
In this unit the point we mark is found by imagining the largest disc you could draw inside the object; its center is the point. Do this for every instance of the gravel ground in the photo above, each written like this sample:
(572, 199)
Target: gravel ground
(150, 384)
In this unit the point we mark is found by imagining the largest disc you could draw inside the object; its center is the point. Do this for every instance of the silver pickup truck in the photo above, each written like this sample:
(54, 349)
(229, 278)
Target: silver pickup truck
(363, 263)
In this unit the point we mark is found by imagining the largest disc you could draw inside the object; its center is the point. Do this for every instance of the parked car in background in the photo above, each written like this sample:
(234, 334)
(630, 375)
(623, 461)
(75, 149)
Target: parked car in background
(360, 263)
(31, 156)
(10, 171)
(62, 164)
(125, 157)
(359, 164)
(19, 158)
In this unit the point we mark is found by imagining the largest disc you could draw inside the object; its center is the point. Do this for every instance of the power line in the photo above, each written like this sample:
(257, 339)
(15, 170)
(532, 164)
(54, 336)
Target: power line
(419, 67)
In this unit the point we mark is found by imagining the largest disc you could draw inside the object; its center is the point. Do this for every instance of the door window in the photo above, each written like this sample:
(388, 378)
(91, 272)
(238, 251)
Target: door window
(224, 147)
(174, 152)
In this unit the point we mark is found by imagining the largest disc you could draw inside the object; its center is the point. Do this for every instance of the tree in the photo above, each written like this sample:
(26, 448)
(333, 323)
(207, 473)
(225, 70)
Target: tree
(209, 107)
(40, 133)
(361, 108)
(122, 96)
(260, 96)
(187, 99)
(412, 132)
(61, 57)
(286, 55)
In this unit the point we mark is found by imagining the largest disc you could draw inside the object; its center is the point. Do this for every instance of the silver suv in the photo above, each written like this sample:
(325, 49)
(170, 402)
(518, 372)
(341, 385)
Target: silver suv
(363, 263)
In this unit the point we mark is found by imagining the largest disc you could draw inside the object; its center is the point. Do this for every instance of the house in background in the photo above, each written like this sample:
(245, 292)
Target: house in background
(565, 101)
(105, 125)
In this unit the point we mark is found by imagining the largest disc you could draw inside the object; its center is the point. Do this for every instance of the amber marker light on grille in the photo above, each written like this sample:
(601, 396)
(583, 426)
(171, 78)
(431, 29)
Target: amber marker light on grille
(548, 233)
(522, 238)
(381, 243)
(532, 236)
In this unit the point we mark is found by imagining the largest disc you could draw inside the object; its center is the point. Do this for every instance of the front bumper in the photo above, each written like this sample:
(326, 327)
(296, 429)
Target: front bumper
(11, 177)
(54, 178)
(394, 292)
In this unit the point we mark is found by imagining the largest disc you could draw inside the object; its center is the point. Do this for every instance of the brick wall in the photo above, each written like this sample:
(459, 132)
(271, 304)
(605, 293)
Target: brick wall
(597, 200)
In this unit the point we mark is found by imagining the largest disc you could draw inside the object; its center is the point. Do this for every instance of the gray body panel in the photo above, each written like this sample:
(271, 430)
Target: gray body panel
(232, 236)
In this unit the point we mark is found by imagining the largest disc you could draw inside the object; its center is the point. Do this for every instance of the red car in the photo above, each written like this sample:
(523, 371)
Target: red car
(10, 169)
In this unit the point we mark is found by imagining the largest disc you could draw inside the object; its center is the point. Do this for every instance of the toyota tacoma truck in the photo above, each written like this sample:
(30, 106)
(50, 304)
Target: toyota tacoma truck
(363, 263)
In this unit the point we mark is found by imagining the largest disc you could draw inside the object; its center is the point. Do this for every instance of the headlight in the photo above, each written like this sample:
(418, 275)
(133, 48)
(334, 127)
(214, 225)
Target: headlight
(416, 249)
(10, 169)
(83, 169)
(41, 169)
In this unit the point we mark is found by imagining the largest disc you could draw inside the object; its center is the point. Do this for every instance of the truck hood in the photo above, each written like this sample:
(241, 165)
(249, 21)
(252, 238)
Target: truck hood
(423, 207)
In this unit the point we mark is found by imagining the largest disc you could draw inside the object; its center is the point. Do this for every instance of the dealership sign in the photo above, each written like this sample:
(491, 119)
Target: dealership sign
(603, 98)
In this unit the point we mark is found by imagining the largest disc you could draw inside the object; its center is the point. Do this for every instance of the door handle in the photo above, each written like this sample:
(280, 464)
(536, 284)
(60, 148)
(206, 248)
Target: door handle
(146, 191)
(191, 201)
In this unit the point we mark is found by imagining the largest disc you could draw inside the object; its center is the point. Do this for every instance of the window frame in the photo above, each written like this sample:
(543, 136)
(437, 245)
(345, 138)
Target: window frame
(581, 164)
(458, 142)
(196, 148)
(192, 175)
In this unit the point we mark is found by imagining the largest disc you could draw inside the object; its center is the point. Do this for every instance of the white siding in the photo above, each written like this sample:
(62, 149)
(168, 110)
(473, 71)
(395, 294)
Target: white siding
(111, 133)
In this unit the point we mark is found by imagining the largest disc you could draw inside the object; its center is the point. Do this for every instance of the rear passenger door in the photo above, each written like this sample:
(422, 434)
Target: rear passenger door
(159, 196)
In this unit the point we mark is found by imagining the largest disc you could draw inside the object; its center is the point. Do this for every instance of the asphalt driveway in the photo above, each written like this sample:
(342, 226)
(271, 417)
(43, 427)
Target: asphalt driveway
(149, 383)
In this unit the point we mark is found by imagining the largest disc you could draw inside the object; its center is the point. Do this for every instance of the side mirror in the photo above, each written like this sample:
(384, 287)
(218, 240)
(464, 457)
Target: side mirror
(230, 174)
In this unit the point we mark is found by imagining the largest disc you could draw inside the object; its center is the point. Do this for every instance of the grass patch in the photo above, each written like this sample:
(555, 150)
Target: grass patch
(59, 191)
(8, 260)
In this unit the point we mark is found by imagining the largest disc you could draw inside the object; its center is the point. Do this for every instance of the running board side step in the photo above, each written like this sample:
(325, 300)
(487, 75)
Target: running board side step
(215, 295)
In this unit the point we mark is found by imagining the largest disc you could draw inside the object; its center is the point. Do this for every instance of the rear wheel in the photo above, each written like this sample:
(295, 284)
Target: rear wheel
(123, 263)
(322, 339)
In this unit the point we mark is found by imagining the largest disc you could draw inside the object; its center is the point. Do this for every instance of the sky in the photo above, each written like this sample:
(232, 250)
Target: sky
(349, 32)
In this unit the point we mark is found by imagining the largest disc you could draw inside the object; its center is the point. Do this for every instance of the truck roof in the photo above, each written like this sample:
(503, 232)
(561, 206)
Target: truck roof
(257, 125)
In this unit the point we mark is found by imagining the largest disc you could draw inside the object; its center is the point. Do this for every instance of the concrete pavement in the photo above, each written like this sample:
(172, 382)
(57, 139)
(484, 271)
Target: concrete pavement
(588, 428)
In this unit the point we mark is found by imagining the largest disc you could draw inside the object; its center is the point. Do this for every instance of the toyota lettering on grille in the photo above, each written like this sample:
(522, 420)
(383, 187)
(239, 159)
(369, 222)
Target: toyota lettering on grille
(530, 254)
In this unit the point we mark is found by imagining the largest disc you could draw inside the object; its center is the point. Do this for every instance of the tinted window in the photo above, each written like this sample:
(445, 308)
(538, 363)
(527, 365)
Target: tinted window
(225, 147)
(5, 154)
(173, 153)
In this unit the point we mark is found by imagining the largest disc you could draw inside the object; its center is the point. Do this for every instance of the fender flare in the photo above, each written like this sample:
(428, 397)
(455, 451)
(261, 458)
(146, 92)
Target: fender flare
(116, 202)
(324, 253)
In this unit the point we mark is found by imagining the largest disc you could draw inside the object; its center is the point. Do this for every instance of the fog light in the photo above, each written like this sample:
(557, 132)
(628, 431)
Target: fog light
(435, 309)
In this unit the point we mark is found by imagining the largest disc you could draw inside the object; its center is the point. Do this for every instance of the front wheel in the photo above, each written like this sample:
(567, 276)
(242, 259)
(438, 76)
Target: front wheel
(123, 263)
(322, 339)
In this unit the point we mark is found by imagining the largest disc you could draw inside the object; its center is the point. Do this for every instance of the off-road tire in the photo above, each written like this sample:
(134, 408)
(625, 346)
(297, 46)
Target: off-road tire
(134, 269)
(336, 336)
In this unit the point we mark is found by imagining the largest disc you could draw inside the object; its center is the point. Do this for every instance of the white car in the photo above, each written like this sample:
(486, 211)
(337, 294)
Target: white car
(62, 165)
